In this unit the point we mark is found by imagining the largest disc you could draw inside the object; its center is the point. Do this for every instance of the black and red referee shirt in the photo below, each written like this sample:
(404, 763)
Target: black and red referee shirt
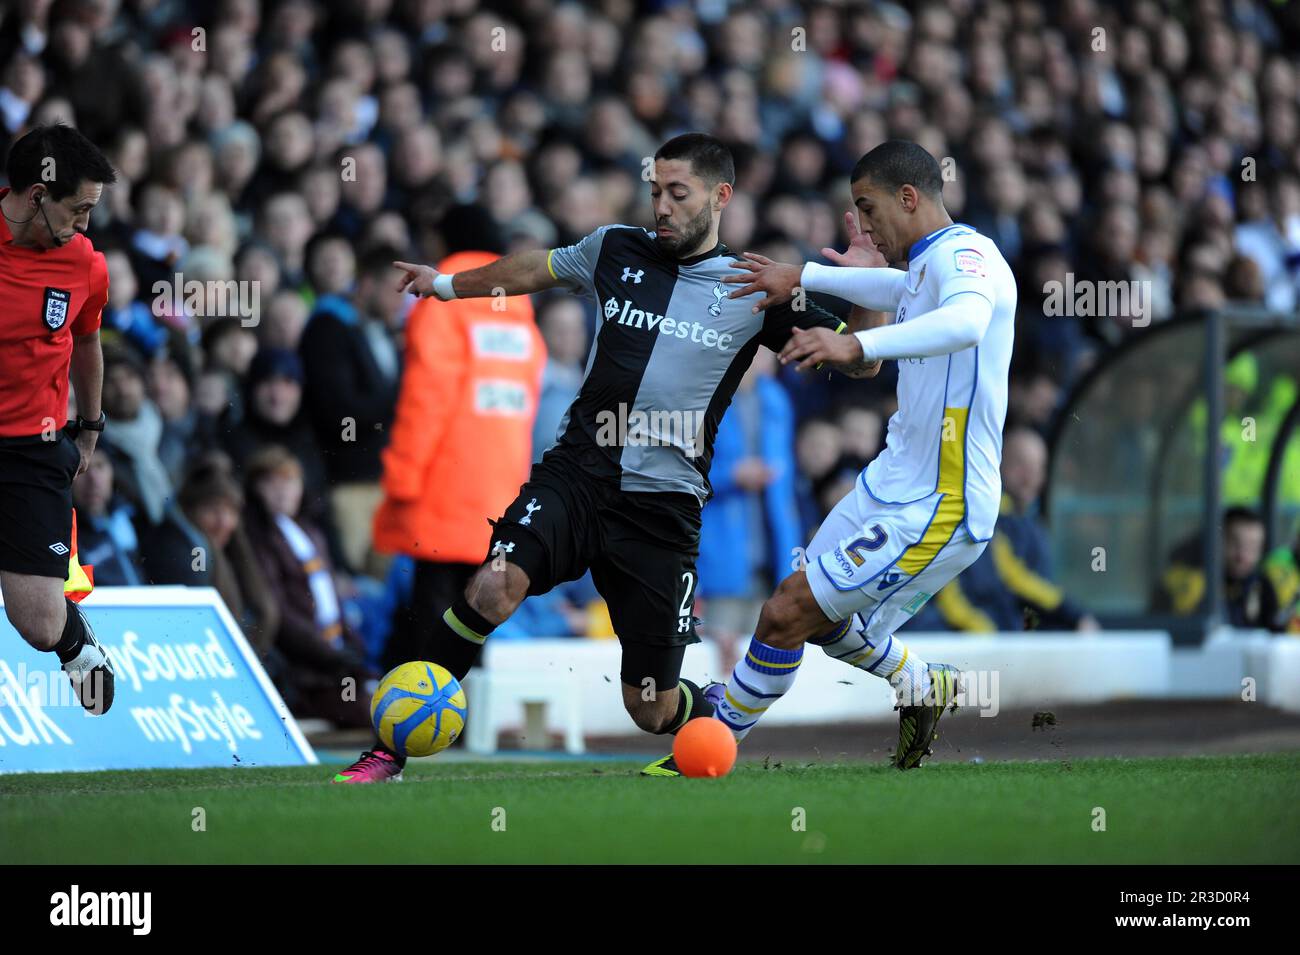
(46, 297)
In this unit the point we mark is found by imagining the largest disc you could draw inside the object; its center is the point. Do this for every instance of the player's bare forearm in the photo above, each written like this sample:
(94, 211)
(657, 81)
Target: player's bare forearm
(861, 319)
(519, 273)
(858, 369)
(86, 372)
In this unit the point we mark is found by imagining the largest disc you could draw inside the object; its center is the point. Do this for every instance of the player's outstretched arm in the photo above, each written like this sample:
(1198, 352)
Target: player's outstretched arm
(879, 289)
(860, 274)
(519, 273)
(960, 323)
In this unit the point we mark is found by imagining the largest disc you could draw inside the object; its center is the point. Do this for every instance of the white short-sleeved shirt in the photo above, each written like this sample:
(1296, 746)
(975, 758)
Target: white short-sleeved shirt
(947, 433)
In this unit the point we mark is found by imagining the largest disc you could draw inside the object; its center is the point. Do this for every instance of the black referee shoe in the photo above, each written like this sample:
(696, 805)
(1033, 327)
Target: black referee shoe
(90, 671)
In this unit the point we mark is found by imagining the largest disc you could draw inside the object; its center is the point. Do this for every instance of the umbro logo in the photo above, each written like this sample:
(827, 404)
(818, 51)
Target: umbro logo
(634, 276)
(60, 549)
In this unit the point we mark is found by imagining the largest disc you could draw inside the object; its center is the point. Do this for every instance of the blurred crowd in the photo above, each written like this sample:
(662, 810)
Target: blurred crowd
(300, 146)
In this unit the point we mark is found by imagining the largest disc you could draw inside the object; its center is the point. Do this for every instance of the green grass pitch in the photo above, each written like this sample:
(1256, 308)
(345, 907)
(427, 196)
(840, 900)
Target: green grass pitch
(1198, 810)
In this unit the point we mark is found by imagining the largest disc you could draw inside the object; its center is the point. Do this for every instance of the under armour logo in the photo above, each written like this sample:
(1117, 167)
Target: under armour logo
(59, 549)
(718, 295)
(528, 518)
(634, 276)
(502, 547)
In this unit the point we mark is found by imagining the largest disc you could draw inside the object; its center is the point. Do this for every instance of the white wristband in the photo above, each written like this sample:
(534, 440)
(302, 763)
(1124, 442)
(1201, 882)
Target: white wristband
(442, 287)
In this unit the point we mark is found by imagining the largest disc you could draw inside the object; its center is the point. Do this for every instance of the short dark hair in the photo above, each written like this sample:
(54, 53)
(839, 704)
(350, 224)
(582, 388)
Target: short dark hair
(1241, 515)
(377, 259)
(120, 352)
(76, 160)
(322, 237)
(469, 227)
(897, 163)
(709, 157)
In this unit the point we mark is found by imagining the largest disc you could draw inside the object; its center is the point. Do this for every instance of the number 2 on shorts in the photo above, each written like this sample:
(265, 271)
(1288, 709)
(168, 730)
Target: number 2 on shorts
(684, 612)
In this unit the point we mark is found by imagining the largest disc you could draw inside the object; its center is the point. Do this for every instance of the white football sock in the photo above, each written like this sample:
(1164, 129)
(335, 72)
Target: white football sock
(906, 672)
(761, 678)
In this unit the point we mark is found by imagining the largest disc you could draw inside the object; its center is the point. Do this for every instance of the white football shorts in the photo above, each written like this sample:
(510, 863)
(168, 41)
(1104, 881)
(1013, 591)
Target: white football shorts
(886, 560)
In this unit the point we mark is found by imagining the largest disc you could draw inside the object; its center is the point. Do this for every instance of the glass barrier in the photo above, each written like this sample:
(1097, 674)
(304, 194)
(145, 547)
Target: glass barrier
(1114, 443)
(1127, 473)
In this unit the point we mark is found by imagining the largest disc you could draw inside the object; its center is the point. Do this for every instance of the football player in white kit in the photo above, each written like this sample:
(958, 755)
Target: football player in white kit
(925, 508)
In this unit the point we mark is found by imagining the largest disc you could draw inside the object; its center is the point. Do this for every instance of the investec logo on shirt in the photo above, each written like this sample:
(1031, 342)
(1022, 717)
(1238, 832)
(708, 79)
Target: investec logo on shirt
(666, 325)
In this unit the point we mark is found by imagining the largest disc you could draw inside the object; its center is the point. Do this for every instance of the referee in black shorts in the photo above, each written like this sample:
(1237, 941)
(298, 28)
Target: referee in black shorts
(621, 491)
(53, 285)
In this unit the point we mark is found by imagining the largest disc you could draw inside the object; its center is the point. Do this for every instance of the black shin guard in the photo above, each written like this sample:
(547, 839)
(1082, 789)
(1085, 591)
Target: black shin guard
(458, 638)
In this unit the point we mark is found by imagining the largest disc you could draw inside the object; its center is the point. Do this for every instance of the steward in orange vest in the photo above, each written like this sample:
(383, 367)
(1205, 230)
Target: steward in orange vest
(462, 439)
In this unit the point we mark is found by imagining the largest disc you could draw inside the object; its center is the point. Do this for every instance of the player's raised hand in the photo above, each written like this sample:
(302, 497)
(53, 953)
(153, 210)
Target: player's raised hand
(777, 279)
(418, 279)
(861, 253)
(811, 347)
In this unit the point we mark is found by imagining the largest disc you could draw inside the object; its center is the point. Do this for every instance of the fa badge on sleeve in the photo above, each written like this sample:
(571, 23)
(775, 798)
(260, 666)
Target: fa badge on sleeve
(56, 307)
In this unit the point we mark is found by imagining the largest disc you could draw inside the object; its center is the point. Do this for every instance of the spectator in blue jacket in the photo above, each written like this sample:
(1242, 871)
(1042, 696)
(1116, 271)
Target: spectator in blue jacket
(126, 311)
(1010, 586)
(750, 535)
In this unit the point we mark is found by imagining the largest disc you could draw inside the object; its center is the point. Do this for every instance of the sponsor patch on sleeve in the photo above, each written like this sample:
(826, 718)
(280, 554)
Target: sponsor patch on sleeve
(916, 603)
(970, 261)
